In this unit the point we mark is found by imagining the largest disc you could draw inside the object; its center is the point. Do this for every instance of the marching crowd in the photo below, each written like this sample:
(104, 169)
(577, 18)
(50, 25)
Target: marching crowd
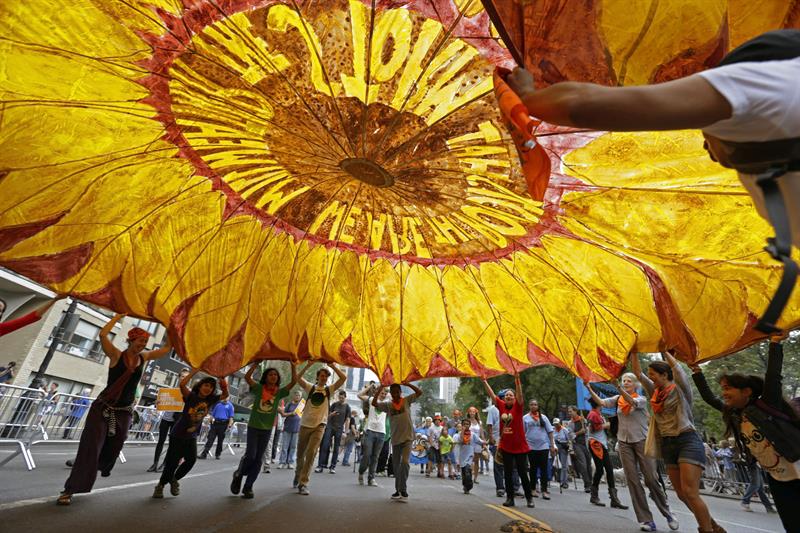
(521, 443)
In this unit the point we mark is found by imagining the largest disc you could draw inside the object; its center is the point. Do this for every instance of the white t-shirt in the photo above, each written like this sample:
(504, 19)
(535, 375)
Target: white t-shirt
(764, 97)
(376, 421)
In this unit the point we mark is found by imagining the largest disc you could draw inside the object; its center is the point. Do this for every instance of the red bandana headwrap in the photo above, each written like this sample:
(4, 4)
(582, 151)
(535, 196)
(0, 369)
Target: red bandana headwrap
(135, 333)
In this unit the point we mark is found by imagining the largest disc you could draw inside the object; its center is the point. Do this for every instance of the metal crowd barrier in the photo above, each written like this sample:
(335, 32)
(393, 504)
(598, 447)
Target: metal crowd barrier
(28, 418)
(19, 410)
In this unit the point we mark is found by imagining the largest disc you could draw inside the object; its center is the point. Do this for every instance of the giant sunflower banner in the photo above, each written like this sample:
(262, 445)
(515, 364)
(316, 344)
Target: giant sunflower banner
(331, 179)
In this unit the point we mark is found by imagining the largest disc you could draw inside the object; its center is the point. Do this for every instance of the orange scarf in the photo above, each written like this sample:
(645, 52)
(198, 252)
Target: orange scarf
(466, 436)
(398, 406)
(659, 396)
(268, 392)
(597, 448)
(623, 404)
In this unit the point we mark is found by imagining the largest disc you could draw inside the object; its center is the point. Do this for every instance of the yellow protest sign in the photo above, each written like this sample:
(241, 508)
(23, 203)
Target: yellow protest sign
(169, 399)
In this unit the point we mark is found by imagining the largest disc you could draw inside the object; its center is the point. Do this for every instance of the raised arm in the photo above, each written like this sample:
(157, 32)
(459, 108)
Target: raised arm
(363, 394)
(294, 375)
(686, 103)
(679, 375)
(184, 383)
(111, 351)
(705, 391)
(636, 366)
(417, 391)
(605, 402)
(160, 352)
(518, 390)
(375, 396)
(342, 377)
(249, 376)
(223, 385)
(301, 380)
(773, 381)
(489, 391)
(628, 398)
(42, 309)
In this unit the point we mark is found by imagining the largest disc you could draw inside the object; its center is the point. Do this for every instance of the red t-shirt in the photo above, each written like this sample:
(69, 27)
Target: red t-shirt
(12, 325)
(512, 436)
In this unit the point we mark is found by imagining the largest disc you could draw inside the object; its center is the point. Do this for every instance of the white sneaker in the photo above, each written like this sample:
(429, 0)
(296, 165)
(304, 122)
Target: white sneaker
(647, 526)
(746, 507)
(361, 479)
(672, 523)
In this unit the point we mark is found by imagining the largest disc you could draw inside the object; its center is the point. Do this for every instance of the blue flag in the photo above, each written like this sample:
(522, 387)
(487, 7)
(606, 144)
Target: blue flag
(604, 390)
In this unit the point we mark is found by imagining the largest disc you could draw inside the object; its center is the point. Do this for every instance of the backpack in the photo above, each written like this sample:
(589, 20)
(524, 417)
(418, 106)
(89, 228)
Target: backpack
(778, 427)
(768, 161)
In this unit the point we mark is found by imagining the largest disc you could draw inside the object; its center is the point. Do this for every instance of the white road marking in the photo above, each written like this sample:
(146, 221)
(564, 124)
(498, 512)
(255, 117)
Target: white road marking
(737, 524)
(35, 501)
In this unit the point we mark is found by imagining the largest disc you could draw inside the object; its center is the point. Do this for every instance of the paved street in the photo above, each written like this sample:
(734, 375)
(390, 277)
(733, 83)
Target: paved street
(122, 503)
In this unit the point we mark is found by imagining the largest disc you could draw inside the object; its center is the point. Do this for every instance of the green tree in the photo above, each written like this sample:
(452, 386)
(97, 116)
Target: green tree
(551, 386)
(751, 360)
(429, 403)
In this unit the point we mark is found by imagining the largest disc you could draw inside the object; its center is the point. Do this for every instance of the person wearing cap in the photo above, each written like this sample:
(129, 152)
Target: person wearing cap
(110, 415)
(561, 439)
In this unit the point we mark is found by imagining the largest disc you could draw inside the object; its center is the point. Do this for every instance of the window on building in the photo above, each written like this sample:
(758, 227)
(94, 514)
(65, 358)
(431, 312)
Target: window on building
(81, 339)
(146, 325)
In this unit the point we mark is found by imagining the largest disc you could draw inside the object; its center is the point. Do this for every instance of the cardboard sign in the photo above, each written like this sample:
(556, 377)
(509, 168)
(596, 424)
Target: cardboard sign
(169, 399)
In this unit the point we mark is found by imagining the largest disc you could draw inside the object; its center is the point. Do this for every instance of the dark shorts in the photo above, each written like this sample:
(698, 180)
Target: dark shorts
(685, 448)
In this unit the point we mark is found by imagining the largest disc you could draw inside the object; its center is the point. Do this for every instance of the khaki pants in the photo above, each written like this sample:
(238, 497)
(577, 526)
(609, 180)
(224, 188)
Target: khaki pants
(307, 446)
(631, 453)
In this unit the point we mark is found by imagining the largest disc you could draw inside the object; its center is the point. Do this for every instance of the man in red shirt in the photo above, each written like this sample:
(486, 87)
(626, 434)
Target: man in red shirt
(513, 444)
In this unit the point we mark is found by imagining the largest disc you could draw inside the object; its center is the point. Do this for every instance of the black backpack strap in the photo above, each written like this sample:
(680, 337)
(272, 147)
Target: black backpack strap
(779, 247)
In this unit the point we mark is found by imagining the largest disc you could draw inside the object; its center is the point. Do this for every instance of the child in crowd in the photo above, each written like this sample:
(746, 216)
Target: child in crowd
(468, 440)
(445, 447)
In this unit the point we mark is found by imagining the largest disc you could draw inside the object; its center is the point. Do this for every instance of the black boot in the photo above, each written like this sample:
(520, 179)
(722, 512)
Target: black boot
(595, 499)
(152, 467)
(509, 502)
(615, 503)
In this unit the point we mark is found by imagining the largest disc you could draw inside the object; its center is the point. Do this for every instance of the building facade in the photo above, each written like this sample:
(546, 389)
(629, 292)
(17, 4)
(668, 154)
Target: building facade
(78, 361)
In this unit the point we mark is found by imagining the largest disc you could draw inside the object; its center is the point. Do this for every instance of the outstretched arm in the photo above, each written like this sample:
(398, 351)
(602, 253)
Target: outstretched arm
(42, 309)
(417, 391)
(705, 391)
(223, 385)
(160, 352)
(636, 366)
(111, 351)
(375, 396)
(686, 103)
(184, 384)
(489, 391)
(628, 398)
(342, 377)
(249, 376)
(294, 375)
